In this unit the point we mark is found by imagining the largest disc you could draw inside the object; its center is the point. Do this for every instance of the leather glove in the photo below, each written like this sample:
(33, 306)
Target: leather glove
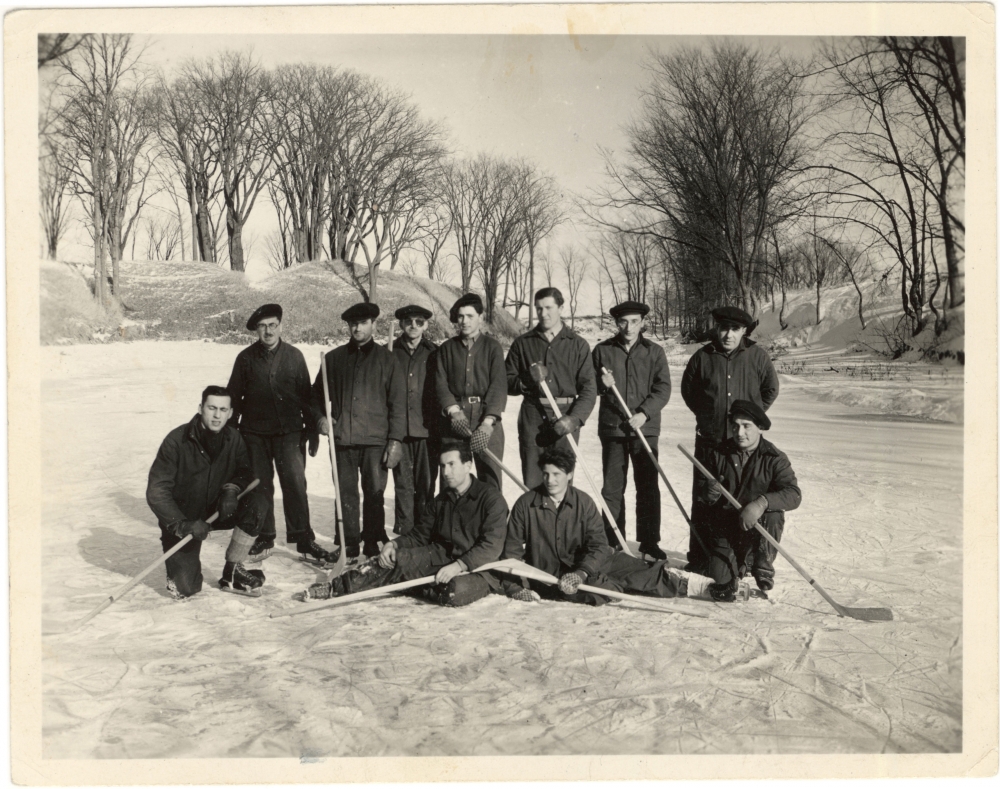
(323, 426)
(713, 492)
(196, 528)
(570, 582)
(393, 454)
(565, 425)
(310, 441)
(227, 503)
(526, 596)
(480, 439)
(752, 512)
(460, 423)
(539, 372)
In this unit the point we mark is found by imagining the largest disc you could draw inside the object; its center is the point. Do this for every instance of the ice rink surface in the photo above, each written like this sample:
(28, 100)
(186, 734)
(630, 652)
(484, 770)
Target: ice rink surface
(213, 676)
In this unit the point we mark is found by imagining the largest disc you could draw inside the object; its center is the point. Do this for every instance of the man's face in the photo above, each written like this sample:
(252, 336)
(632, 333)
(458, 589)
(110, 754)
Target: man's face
(269, 331)
(413, 327)
(469, 321)
(745, 432)
(549, 313)
(729, 334)
(555, 480)
(215, 412)
(453, 471)
(629, 327)
(361, 331)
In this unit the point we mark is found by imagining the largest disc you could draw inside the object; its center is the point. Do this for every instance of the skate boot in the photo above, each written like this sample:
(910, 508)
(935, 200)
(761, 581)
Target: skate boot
(650, 551)
(261, 549)
(368, 575)
(237, 580)
(730, 592)
(311, 552)
(173, 591)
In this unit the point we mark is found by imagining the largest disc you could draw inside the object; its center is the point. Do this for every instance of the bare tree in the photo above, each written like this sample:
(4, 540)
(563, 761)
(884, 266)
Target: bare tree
(163, 238)
(435, 228)
(53, 46)
(598, 275)
(548, 269)
(542, 214)
(54, 182)
(574, 266)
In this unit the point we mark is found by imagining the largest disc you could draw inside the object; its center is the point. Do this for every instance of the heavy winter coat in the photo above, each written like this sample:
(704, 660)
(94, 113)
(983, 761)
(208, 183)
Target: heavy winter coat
(643, 378)
(418, 377)
(270, 391)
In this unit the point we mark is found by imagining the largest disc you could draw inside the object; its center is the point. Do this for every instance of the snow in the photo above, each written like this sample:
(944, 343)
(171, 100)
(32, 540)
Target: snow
(214, 676)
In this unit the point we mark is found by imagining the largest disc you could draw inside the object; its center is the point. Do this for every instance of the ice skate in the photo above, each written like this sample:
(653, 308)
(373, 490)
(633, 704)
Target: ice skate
(236, 579)
(310, 552)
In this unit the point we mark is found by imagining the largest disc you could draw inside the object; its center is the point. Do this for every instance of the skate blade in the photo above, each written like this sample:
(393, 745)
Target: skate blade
(248, 593)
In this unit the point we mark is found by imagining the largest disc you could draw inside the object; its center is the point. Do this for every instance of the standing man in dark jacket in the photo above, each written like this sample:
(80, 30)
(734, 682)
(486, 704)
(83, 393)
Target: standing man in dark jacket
(761, 479)
(471, 385)
(368, 406)
(200, 468)
(639, 369)
(413, 478)
(731, 367)
(270, 389)
(566, 356)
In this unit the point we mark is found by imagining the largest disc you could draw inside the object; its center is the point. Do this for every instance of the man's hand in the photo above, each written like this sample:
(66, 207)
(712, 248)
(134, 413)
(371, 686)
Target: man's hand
(310, 441)
(607, 378)
(526, 596)
(227, 503)
(480, 439)
(323, 426)
(637, 420)
(460, 423)
(565, 425)
(449, 571)
(570, 582)
(713, 492)
(393, 454)
(539, 372)
(387, 557)
(196, 528)
(752, 512)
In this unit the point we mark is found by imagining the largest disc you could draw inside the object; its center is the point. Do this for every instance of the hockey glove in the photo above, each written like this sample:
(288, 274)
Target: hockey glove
(752, 512)
(460, 423)
(310, 441)
(570, 582)
(480, 439)
(565, 425)
(227, 503)
(196, 528)
(393, 454)
(526, 596)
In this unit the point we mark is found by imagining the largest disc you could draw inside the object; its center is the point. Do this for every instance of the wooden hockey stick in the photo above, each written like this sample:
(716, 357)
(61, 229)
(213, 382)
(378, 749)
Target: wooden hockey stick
(506, 470)
(341, 564)
(865, 614)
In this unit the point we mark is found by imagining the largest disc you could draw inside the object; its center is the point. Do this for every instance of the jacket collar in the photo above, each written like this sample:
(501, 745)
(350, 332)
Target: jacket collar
(745, 343)
(474, 491)
(617, 340)
(764, 447)
(424, 343)
(262, 349)
(542, 500)
(565, 331)
(191, 433)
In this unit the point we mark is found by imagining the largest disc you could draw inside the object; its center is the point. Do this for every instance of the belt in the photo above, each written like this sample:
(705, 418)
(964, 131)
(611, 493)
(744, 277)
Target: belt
(472, 399)
(559, 400)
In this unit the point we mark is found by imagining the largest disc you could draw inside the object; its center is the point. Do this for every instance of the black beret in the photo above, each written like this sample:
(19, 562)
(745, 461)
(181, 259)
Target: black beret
(267, 311)
(413, 309)
(361, 312)
(734, 315)
(750, 410)
(629, 308)
(468, 300)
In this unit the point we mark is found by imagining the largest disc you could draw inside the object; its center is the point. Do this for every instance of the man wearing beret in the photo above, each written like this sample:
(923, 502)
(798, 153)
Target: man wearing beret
(269, 386)
(565, 357)
(731, 367)
(761, 479)
(639, 369)
(471, 385)
(368, 406)
(414, 477)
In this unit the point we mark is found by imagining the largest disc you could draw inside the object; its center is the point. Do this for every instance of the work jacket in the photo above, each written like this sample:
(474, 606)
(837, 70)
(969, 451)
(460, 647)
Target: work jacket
(713, 380)
(184, 483)
(570, 368)
(643, 379)
(270, 391)
(470, 527)
(476, 372)
(421, 402)
(367, 394)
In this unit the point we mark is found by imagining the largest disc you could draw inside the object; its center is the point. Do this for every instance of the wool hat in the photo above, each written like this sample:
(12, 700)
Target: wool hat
(734, 315)
(265, 311)
(629, 308)
(361, 312)
(750, 410)
(468, 300)
(413, 309)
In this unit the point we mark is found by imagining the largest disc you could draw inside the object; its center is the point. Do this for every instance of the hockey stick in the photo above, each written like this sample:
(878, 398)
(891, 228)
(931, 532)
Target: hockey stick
(117, 594)
(576, 451)
(506, 470)
(341, 564)
(865, 614)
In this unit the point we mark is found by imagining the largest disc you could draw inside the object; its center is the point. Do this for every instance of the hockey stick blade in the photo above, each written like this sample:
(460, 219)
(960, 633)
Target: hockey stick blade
(866, 614)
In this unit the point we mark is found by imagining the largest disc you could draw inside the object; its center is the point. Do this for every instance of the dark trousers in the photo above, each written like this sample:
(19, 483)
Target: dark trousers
(184, 567)
(735, 552)
(486, 469)
(364, 461)
(697, 555)
(621, 573)
(615, 456)
(534, 436)
(284, 452)
(426, 560)
(414, 480)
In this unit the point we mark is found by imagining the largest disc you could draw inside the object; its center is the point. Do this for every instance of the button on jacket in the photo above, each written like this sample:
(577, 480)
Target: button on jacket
(643, 378)
(571, 370)
(270, 390)
(713, 380)
(470, 527)
(367, 394)
(421, 403)
(477, 371)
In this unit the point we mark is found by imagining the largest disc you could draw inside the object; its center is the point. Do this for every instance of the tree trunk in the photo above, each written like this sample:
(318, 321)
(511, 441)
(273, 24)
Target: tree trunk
(192, 196)
(818, 283)
(531, 280)
(781, 314)
(235, 229)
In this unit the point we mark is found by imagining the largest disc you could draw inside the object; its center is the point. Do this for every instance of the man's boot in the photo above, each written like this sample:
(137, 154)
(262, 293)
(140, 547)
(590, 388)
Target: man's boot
(236, 579)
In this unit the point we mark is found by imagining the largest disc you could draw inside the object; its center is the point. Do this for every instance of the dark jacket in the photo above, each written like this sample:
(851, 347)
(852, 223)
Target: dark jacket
(471, 527)
(643, 379)
(418, 376)
(476, 372)
(712, 381)
(571, 370)
(556, 541)
(768, 473)
(271, 392)
(184, 484)
(367, 394)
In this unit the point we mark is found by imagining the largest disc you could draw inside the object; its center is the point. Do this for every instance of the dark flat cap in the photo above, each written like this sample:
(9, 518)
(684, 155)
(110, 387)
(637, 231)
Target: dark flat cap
(361, 312)
(266, 311)
(748, 409)
(468, 300)
(734, 315)
(413, 309)
(629, 308)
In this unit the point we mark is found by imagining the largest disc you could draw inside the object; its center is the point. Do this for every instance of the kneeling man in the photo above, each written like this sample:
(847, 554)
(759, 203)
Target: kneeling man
(463, 529)
(200, 469)
(558, 529)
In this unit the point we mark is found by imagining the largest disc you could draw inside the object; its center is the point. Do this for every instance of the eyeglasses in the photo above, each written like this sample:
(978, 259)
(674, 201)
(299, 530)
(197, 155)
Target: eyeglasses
(413, 321)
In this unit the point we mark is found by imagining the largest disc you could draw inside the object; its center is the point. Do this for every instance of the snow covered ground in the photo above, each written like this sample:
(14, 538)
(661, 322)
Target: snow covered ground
(214, 676)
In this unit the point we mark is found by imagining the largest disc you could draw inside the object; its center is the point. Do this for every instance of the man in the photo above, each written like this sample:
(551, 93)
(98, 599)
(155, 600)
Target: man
(413, 478)
(270, 390)
(463, 530)
(761, 479)
(558, 529)
(471, 384)
(640, 369)
(368, 406)
(566, 357)
(731, 367)
(200, 468)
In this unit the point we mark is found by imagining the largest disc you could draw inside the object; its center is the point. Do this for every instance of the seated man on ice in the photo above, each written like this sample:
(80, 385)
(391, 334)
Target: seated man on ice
(760, 478)
(463, 529)
(200, 469)
(558, 529)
